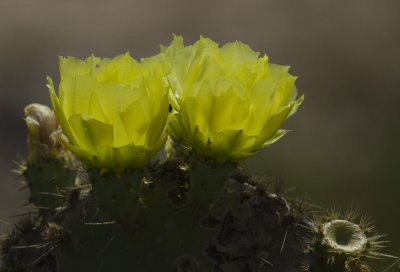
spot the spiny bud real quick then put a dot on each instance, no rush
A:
(43, 132)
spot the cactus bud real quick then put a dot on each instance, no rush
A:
(43, 132)
(49, 170)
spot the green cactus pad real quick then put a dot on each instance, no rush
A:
(48, 182)
(207, 180)
(118, 196)
(248, 229)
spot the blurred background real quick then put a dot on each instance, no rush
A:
(345, 142)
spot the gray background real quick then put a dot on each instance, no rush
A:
(344, 148)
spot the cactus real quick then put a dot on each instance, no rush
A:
(341, 242)
(125, 203)
(247, 228)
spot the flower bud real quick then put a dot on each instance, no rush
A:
(43, 132)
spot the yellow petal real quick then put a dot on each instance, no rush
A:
(93, 136)
(276, 121)
(70, 66)
(122, 69)
(131, 156)
(58, 111)
(235, 55)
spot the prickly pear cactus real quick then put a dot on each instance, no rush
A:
(138, 169)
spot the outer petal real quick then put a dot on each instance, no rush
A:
(174, 128)
(84, 155)
(93, 136)
(284, 92)
(279, 134)
(230, 108)
(275, 122)
(75, 94)
(122, 69)
(70, 66)
(261, 99)
(136, 121)
(298, 102)
(157, 124)
(58, 111)
(131, 156)
(226, 143)
(236, 54)
(170, 53)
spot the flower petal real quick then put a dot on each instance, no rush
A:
(58, 111)
(94, 136)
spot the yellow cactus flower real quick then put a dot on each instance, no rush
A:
(113, 111)
(229, 102)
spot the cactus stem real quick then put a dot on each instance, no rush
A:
(207, 180)
(118, 195)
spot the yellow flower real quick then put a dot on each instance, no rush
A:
(228, 101)
(113, 111)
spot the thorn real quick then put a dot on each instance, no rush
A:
(106, 246)
(378, 255)
(41, 256)
(38, 207)
(4, 222)
(37, 246)
(266, 261)
(51, 194)
(392, 265)
(100, 223)
(284, 240)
